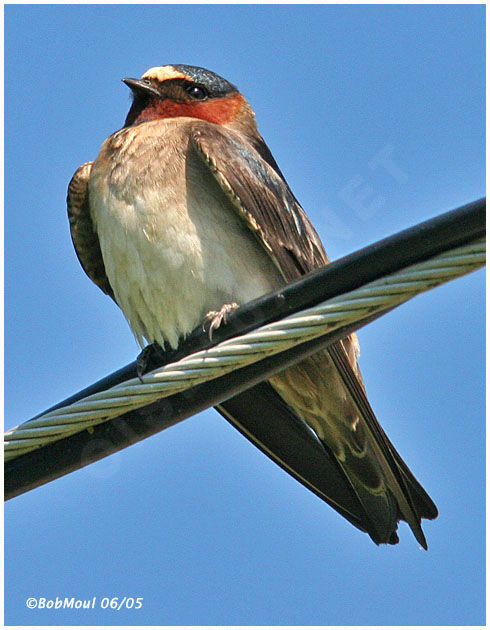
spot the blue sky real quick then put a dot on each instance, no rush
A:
(195, 520)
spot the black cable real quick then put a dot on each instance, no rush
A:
(410, 246)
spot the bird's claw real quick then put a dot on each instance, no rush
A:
(215, 318)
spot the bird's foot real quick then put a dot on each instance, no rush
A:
(214, 319)
(151, 356)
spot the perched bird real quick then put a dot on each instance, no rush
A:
(185, 214)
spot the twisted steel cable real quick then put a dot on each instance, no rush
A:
(227, 356)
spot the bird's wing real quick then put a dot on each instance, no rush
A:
(385, 489)
(273, 426)
(263, 200)
(83, 235)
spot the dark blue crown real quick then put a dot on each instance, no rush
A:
(215, 84)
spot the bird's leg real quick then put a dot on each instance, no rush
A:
(151, 356)
(215, 318)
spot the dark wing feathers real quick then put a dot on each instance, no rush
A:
(285, 438)
(263, 199)
(83, 235)
(417, 498)
(287, 234)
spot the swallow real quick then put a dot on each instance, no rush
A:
(184, 215)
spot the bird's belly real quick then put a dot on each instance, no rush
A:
(173, 256)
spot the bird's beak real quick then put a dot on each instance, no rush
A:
(141, 86)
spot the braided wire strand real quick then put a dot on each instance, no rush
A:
(235, 353)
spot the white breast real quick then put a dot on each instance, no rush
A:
(173, 246)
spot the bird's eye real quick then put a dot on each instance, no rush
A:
(196, 92)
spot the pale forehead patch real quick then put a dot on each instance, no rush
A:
(164, 73)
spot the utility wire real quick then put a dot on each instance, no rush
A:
(308, 314)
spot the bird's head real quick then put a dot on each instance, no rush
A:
(190, 91)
